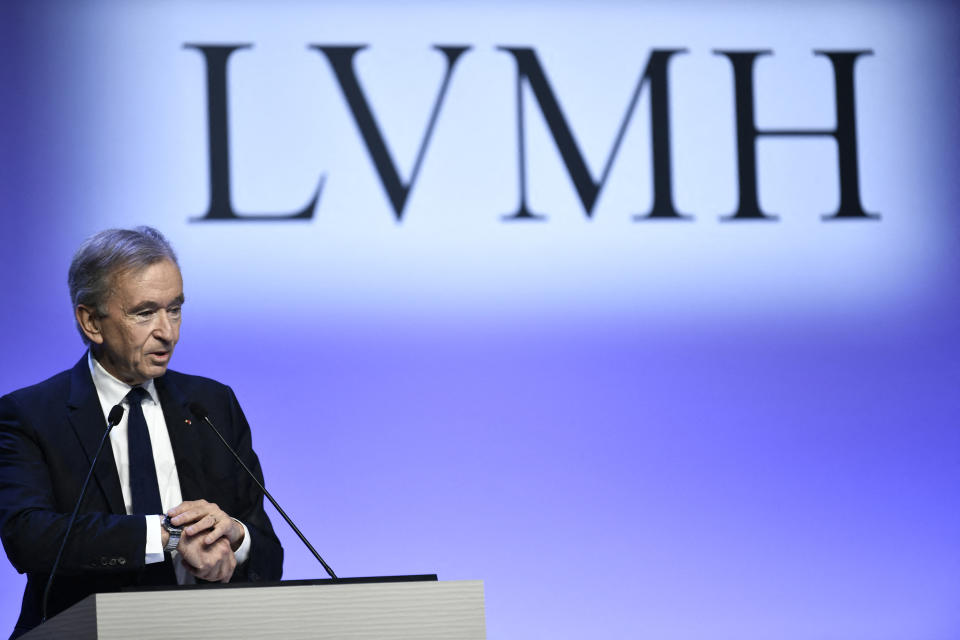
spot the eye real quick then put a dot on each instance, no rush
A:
(146, 314)
(174, 311)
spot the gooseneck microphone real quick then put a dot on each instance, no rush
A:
(201, 413)
(112, 420)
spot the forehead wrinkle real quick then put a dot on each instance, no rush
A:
(133, 278)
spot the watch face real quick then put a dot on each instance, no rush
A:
(175, 533)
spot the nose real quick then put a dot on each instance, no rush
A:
(163, 329)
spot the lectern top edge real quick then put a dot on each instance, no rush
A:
(425, 577)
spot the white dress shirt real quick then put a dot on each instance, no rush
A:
(111, 392)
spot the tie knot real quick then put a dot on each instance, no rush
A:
(136, 395)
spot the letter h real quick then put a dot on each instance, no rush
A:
(845, 135)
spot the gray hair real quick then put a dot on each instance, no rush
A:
(104, 256)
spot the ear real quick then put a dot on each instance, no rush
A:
(89, 322)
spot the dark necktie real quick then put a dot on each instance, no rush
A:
(144, 489)
(143, 484)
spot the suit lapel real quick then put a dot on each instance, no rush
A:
(183, 438)
(86, 417)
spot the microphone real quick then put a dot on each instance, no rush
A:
(201, 413)
(112, 420)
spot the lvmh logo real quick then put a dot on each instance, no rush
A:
(654, 79)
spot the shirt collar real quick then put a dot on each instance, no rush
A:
(111, 390)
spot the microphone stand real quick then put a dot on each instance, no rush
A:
(201, 413)
(112, 420)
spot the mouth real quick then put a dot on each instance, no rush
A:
(160, 356)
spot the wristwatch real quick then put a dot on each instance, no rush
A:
(175, 533)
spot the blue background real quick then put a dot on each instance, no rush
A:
(663, 430)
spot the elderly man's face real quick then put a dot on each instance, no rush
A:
(135, 340)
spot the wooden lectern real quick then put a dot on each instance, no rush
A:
(409, 608)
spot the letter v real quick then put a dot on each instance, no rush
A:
(341, 60)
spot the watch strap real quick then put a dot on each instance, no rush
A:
(175, 533)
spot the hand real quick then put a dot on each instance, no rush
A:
(197, 516)
(212, 562)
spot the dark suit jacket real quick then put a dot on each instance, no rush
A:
(48, 435)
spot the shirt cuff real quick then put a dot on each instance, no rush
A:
(153, 551)
(243, 552)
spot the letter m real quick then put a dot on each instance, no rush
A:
(588, 189)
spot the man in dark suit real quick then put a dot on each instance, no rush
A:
(162, 476)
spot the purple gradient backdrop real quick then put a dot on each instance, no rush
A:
(701, 450)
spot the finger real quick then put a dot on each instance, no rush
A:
(221, 529)
(198, 512)
(192, 508)
(203, 573)
(223, 562)
(187, 517)
(230, 565)
(208, 521)
(210, 571)
(186, 505)
(228, 573)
